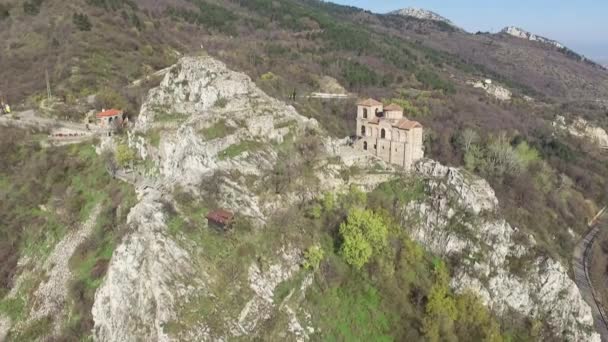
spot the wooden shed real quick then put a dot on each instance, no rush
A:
(220, 219)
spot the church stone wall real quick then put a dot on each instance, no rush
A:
(399, 146)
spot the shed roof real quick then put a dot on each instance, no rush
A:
(369, 103)
(109, 112)
(220, 216)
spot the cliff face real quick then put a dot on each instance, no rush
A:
(208, 126)
(459, 220)
(206, 119)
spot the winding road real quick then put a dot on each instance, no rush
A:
(580, 265)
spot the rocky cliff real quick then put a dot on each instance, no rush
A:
(423, 14)
(459, 220)
(208, 137)
(207, 126)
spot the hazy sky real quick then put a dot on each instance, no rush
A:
(581, 25)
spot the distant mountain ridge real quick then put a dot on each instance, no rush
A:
(523, 34)
(419, 13)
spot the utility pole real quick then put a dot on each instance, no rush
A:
(48, 84)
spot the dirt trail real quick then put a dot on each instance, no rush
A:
(50, 297)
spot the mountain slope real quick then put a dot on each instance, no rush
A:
(537, 69)
(519, 33)
(171, 277)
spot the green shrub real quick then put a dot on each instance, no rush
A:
(526, 154)
(352, 313)
(432, 81)
(4, 11)
(82, 22)
(124, 155)
(112, 4)
(358, 75)
(236, 149)
(218, 130)
(269, 76)
(313, 257)
(363, 233)
(208, 15)
(32, 7)
(109, 98)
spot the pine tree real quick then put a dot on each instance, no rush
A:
(82, 22)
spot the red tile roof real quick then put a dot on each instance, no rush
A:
(109, 112)
(393, 107)
(369, 103)
(220, 216)
(407, 124)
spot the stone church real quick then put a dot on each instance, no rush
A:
(386, 133)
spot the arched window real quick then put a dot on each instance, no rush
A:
(365, 113)
(365, 145)
(383, 134)
(363, 130)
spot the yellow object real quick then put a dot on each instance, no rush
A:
(7, 109)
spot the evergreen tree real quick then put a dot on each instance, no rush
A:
(82, 22)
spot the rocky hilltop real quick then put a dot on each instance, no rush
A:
(160, 274)
(523, 34)
(208, 137)
(204, 124)
(423, 14)
(520, 33)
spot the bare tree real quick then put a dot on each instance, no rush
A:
(502, 158)
(110, 162)
(468, 137)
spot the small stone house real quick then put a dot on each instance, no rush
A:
(110, 119)
(385, 132)
(220, 219)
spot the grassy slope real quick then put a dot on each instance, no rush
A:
(386, 300)
(45, 193)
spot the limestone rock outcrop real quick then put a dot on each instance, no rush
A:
(584, 129)
(458, 219)
(523, 34)
(203, 119)
(148, 275)
(495, 90)
(423, 14)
